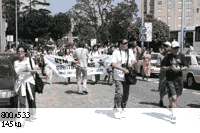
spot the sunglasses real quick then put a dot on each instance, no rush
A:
(20, 51)
(125, 43)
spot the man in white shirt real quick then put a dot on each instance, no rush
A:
(119, 61)
(81, 55)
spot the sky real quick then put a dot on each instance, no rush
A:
(64, 5)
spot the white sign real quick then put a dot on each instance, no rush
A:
(10, 38)
(93, 42)
(36, 39)
(63, 68)
(148, 26)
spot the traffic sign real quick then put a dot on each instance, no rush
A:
(143, 30)
(142, 37)
(148, 26)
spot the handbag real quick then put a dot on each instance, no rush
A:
(39, 84)
(130, 78)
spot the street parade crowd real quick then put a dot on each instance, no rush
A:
(124, 58)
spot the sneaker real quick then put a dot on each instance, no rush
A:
(85, 91)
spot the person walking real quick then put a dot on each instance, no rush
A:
(174, 63)
(146, 65)
(136, 49)
(81, 55)
(95, 52)
(119, 61)
(162, 76)
(25, 86)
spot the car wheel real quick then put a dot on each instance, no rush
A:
(190, 81)
(142, 72)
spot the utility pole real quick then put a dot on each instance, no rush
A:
(2, 47)
(16, 25)
(182, 25)
(142, 15)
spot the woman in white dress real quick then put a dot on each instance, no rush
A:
(25, 86)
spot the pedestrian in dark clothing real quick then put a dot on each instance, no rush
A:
(174, 63)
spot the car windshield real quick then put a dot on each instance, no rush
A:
(154, 56)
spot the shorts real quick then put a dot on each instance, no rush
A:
(174, 88)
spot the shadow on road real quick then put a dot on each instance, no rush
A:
(194, 105)
(159, 116)
(150, 103)
(71, 92)
(109, 113)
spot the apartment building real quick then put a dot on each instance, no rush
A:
(161, 9)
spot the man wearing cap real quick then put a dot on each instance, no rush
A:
(162, 76)
(174, 63)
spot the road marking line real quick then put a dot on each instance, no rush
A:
(196, 93)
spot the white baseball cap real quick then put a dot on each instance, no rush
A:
(175, 44)
(168, 43)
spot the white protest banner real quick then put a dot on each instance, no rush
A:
(62, 66)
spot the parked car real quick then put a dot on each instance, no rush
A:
(192, 75)
(154, 68)
(8, 98)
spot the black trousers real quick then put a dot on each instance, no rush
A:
(121, 94)
(22, 99)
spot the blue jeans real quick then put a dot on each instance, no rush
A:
(121, 94)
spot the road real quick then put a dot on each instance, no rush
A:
(142, 95)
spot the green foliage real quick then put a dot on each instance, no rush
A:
(160, 31)
(60, 26)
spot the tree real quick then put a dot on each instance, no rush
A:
(60, 26)
(160, 30)
(84, 13)
(30, 8)
(121, 18)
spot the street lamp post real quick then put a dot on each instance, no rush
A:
(16, 25)
(182, 25)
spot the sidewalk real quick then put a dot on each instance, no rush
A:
(102, 120)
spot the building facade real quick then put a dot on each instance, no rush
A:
(170, 12)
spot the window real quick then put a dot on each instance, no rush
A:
(169, 1)
(188, 17)
(188, 10)
(197, 34)
(159, 10)
(169, 25)
(188, 2)
(179, 2)
(179, 17)
(197, 10)
(180, 9)
(169, 10)
(169, 17)
(159, 2)
(159, 17)
(179, 25)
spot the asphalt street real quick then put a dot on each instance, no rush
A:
(142, 95)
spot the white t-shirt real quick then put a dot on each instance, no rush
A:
(95, 53)
(24, 76)
(81, 57)
(121, 58)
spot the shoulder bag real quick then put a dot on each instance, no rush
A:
(130, 78)
(39, 84)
